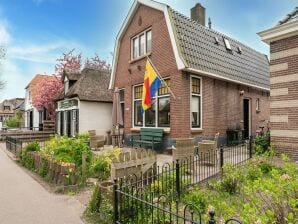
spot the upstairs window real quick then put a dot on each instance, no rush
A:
(6, 107)
(66, 85)
(141, 44)
(227, 43)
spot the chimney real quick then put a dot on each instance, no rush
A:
(198, 14)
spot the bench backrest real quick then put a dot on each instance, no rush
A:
(147, 133)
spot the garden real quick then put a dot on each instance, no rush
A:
(67, 161)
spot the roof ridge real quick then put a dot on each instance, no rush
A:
(288, 16)
(215, 31)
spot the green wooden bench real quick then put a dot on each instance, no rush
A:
(148, 137)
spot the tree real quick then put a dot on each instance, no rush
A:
(97, 63)
(48, 90)
(69, 62)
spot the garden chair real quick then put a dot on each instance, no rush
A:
(208, 150)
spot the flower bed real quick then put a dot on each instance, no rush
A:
(60, 161)
(258, 192)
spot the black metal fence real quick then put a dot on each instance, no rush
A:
(15, 144)
(153, 197)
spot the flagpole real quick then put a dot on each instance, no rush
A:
(159, 76)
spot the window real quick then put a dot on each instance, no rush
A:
(141, 44)
(148, 41)
(196, 102)
(6, 107)
(258, 104)
(159, 113)
(121, 93)
(138, 115)
(227, 43)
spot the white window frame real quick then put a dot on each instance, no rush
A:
(201, 102)
(156, 97)
(258, 104)
(138, 41)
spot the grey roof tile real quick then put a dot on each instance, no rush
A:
(199, 50)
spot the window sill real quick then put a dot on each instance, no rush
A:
(196, 130)
(137, 129)
(139, 58)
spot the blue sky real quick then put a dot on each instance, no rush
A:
(37, 32)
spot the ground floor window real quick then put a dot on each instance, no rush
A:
(67, 122)
(159, 113)
(196, 104)
(121, 93)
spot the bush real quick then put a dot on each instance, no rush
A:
(96, 200)
(101, 164)
(262, 143)
(99, 209)
(26, 160)
(231, 179)
(67, 150)
(197, 198)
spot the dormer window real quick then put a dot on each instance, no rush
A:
(141, 44)
(66, 85)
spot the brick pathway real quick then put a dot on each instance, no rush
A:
(25, 201)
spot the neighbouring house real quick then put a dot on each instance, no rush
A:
(85, 104)
(283, 41)
(35, 117)
(8, 108)
(219, 83)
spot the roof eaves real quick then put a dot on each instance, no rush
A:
(212, 75)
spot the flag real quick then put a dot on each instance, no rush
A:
(150, 86)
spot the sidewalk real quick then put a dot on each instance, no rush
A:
(25, 201)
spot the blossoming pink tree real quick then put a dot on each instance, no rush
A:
(48, 90)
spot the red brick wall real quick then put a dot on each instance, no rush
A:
(222, 103)
(283, 53)
(223, 106)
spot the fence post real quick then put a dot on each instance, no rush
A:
(178, 178)
(221, 156)
(115, 202)
(84, 175)
(250, 147)
(212, 219)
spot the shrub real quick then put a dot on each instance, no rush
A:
(231, 179)
(198, 198)
(26, 160)
(101, 164)
(67, 150)
(95, 202)
(262, 143)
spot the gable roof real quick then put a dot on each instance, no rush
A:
(195, 50)
(290, 17)
(92, 85)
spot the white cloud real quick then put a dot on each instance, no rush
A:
(4, 34)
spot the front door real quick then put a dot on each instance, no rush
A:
(246, 118)
(31, 120)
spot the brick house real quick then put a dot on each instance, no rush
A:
(219, 83)
(283, 41)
